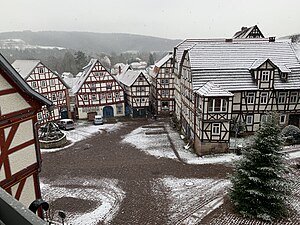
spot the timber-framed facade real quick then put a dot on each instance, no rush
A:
(20, 158)
(97, 92)
(216, 92)
(162, 86)
(49, 84)
(137, 91)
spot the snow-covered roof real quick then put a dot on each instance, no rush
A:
(164, 59)
(210, 89)
(85, 73)
(25, 67)
(20, 82)
(129, 77)
(257, 63)
(227, 63)
(245, 31)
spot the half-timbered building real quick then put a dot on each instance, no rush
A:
(249, 32)
(98, 92)
(20, 158)
(137, 92)
(237, 80)
(162, 86)
(49, 84)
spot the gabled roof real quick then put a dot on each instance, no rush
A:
(227, 64)
(129, 77)
(210, 89)
(257, 63)
(19, 81)
(85, 73)
(25, 67)
(164, 59)
(245, 31)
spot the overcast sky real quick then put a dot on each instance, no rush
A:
(162, 18)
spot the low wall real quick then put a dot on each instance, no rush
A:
(53, 143)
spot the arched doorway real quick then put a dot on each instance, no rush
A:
(108, 111)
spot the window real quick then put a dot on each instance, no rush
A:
(117, 95)
(41, 70)
(60, 95)
(102, 96)
(39, 116)
(52, 82)
(167, 70)
(164, 81)
(94, 97)
(143, 99)
(119, 109)
(165, 92)
(250, 97)
(109, 96)
(53, 97)
(33, 85)
(294, 97)
(137, 100)
(217, 105)
(216, 129)
(165, 105)
(249, 119)
(85, 98)
(282, 119)
(265, 75)
(281, 97)
(93, 87)
(284, 76)
(141, 79)
(43, 83)
(108, 85)
(263, 98)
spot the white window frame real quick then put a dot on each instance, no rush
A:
(264, 97)
(109, 95)
(60, 95)
(265, 76)
(249, 119)
(41, 70)
(250, 98)
(43, 83)
(54, 97)
(282, 119)
(216, 129)
(117, 94)
(281, 97)
(294, 97)
(34, 84)
(103, 96)
(222, 106)
(52, 82)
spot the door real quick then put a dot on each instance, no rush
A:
(108, 111)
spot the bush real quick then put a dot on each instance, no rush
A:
(291, 134)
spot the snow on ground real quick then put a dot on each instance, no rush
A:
(193, 199)
(85, 130)
(104, 197)
(159, 145)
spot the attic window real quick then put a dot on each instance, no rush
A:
(265, 75)
(284, 76)
(41, 70)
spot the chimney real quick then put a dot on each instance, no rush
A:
(271, 39)
(244, 28)
(120, 70)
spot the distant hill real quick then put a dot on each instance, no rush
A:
(88, 42)
(293, 37)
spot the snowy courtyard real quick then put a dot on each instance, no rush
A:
(135, 172)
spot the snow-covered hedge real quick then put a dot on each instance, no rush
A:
(291, 134)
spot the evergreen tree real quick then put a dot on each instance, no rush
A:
(81, 60)
(259, 187)
(151, 59)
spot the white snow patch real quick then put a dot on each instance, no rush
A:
(85, 130)
(159, 146)
(105, 192)
(191, 203)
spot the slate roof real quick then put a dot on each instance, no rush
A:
(245, 31)
(165, 59)
(20, 82)
(210, 89)
(25, 67)
(227, 64)
(129, 77)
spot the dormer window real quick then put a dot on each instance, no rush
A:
(284, 76)
(265, 76)
(217, 105)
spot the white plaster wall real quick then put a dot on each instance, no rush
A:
(4, 84)
(2, 174)
(28, 193)
(18, 101)
(23, 158)
(24, 133)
